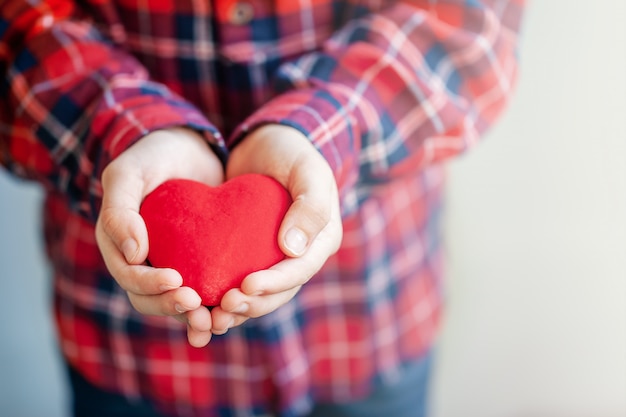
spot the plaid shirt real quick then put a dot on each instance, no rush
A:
(386, 91)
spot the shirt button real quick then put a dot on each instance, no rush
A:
(241, 13)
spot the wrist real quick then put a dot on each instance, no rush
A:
(263, 148)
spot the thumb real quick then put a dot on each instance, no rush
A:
(119, 220)
(124, 227)
(310, 211)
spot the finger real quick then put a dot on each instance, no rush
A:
(197, 338)
(119, 218)
(170, 303)
(240, 304)
(293, 272)
(199, 327)
(264, 291)
(224, 320)
(283, 276)
(312, 188)
(138, 279)
(145, 280)
(198, 323)
(199, 319)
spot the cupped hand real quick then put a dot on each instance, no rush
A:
(309, 234)
(121, 232)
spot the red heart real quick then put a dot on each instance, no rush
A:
(215, 236)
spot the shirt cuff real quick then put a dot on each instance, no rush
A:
(138, 117)
(320, 116)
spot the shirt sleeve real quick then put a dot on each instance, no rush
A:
(400, 88)
(70, 101)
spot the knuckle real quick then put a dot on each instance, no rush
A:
(264, 305)
(109, 221)
(316, 214)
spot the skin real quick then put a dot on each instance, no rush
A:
(309, 234)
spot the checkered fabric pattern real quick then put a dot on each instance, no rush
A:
(385, 90)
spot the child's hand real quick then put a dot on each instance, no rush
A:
(121, 232)
(310, 232)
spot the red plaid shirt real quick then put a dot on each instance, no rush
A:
(386, 90)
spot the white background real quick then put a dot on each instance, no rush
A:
(536, 241)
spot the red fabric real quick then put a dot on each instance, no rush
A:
(215, 236)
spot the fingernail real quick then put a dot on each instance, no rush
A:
(180, 308)
(129, 249)
(242, 308)
(295, 241)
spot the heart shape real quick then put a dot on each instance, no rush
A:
(215, 236)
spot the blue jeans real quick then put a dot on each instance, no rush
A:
(407, 398)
